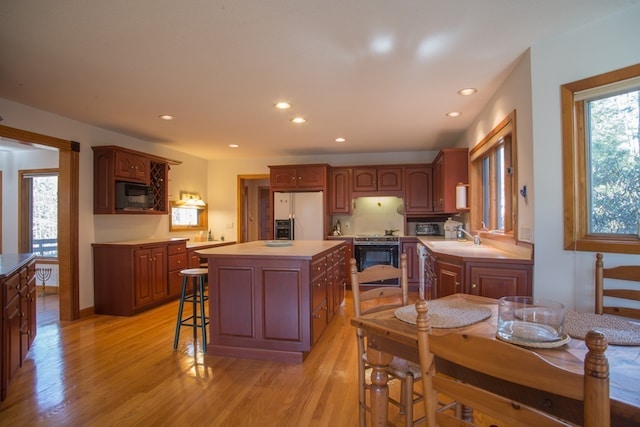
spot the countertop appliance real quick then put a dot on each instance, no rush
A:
(428, 229)
(303, 211)
(369, 250)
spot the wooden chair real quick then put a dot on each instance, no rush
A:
(632, 293)
(488, 362)
(373, 299)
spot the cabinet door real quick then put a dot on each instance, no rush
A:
(159, 272)
(311, 177)
(340, 191)
(283, 177)
(497, 282)
(450, 167)
(365, 179)
(143, 281)
(418, 190)
(449, 278)
(389, 179)
(408, 246)
(11, 337)
(130, 167)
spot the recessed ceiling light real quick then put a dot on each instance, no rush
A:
(468, 91)
(282, 105)
(298, 120)
(166, 117)
(234, 145)
(340, 139)
(454, 114)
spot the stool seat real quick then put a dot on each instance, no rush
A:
(194, 272)
(198, 319)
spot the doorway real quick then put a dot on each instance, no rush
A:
(68, 207)
(253, 222)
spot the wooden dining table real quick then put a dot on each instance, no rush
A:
(388, 336)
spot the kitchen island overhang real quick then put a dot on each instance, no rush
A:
(273, 302)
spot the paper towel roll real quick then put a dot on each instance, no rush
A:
(461, 196)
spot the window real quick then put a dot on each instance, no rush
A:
(493, 180)
(189, 213)
(39, 219)
(601, 162)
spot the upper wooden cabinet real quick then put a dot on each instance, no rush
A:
(299, 177)
(418, 190)
(450, 167)
(386, 180)
(113, 164)
(131, 167)
(340, 191)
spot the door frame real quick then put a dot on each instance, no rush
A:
(242, 204)
(68, 208)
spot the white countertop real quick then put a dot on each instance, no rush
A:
(467, 249)
(297, 249)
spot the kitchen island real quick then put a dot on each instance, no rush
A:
(273, 302)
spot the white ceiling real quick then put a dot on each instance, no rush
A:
(380, 73)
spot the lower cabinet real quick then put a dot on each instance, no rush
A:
(273, 308)
(446, 275)
(492, 281)
(449, 277)
(132, 277)
(408, 247)
(18, 326)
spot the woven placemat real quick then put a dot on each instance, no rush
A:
(446, 313)
(618, 331)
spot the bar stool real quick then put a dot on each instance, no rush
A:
(197, 298)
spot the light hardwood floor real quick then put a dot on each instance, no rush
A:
(108, 370)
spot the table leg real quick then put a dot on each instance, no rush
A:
(379, 390)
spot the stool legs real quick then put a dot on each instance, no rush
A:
(198, 318)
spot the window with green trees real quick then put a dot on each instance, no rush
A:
(601, 162)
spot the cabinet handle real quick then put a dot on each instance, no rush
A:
(473, 286)
(457, 283)
(316, 316)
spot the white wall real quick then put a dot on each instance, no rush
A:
(514, 94)
(596, 48)
(189, 176)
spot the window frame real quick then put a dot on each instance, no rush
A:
(503, 135)
(574, 169)
(202, 214)
(25, 209)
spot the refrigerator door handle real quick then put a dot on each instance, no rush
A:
(293, 227)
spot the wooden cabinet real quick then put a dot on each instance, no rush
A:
(299, 177)
(490, 280)
(450, 167)
(449, 277)
(18, 324)
(340, 191)
(113, 164)
(270, 307)
(131, 167)
(386, 180)
(418, 194)
(177, 261)
(408, 246)
(130, 277)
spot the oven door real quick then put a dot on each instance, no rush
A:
(370, 255)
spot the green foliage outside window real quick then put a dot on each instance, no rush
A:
(614, 136)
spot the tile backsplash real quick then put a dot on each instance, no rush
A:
(373, 215)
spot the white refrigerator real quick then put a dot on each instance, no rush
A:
(306, 210)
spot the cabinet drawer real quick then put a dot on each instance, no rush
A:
(178, 249)
(318, 267)
(319, 322)
(178, 262)
(318, 291)
(12, 286)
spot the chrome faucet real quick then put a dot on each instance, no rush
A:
(462, 232)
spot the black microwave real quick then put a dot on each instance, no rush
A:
(131, 196)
